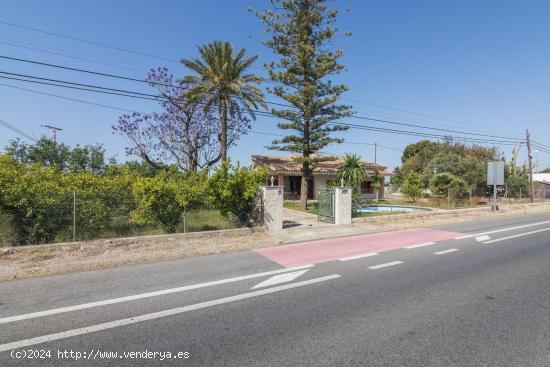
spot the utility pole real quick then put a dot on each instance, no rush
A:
(530, 157)
(375, 151)
(54, 132)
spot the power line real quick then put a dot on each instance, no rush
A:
(64, 54)
(176, 61)
(269, 102)
(543, 145)
(94, 43)
(410, 112)
(16, 130)
(68, 98)
(268, 114)
(345, 141)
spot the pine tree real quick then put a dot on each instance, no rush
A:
(301, 36)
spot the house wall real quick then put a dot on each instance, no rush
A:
(320, 182)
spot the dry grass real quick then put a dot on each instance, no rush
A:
(31, 261)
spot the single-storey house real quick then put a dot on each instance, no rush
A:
(286, 172)
(541, 182)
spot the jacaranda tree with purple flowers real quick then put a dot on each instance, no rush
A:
(184, 133)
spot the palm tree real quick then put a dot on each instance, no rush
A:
(222, 82)
(352, 173)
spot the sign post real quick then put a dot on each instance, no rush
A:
(495, 177)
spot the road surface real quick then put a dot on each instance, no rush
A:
(470, 294)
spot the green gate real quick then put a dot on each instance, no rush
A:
(325, 208)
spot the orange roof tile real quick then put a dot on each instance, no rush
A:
(288, 165)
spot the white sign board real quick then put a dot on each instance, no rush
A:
(495, 173)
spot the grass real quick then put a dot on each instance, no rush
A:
(196, 220)
(312, 207)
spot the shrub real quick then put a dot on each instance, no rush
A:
(234, 190)
(164, 197)
(444, 184)
(413, 185)
(33, 196)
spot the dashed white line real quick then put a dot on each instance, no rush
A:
(482, 238)
(385, 265)
(359, 256)
(144, 295)
(445, 251)
(517, 235)
(420, 245)
(157, 315)
(503, 230)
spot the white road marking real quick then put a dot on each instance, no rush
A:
(359, 256)
(503, 230)
(482, 238)
(420, 245)
(281, 278)
(445, 251)
(385, 265)
(517, 235)
(111, 301)
(157, 315)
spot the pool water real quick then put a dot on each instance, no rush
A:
(390, 208)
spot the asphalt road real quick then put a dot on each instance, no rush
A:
(482, 300)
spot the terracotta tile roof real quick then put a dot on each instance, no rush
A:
(288, 165)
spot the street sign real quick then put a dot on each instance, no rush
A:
(495, 173)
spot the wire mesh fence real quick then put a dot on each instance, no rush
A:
(66, 215)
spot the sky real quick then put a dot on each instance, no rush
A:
(475, 66)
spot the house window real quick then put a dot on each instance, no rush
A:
(367, 187)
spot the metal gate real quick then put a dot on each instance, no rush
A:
(325, 203)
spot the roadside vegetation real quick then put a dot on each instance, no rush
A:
(450, 174)
(42, 203)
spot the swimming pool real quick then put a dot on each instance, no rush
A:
(390, 208)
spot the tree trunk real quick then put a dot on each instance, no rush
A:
(304, 185)
(223, 132)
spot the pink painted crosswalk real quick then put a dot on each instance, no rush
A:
(333, 249)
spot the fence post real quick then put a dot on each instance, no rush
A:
(74, 215)
(184, 219)
(272, 207)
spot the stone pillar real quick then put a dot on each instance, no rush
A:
(272, 207)
(342, 205)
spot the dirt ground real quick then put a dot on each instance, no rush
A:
(40, 260)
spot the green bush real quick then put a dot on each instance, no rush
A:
(234, 190)
(36, 202)
(517, 186)
(35, 199)
(444, 184)
(164, 197)
(413, 185)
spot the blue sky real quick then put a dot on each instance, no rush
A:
(480, 66)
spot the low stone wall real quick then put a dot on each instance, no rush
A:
(58, 258)
(450, 213)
